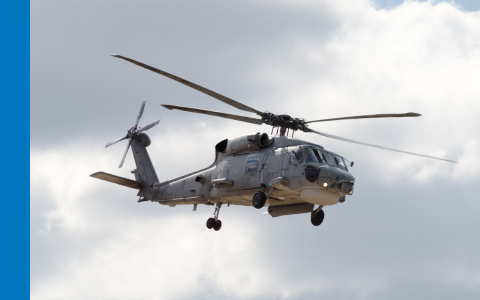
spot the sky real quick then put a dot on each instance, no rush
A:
(468, 5)
(410, 230)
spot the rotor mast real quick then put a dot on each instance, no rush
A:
(284, 123)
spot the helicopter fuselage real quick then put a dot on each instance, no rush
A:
(288, 170)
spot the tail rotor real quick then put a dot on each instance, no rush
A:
(132, 133)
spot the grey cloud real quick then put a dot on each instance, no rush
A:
(75, 83)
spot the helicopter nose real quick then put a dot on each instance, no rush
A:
(347, 188)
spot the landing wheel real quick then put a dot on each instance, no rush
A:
(217, 225)
(210, 223)
(318, 218)
(259, 200)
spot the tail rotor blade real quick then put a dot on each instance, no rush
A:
(115, 141)
(140, 114)
(149, 126)
(125, 154)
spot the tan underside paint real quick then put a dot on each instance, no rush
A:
(319, 196)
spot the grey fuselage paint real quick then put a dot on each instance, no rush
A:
(250, 171)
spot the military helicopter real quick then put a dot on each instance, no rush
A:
(288, 175)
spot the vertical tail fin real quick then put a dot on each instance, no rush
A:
(145, 170)
(138, 140)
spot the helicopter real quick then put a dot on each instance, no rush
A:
(288, 175)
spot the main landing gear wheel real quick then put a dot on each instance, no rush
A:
(214, 222)
(317, 219)
(259, 200)
(217, 225)
(211, 223)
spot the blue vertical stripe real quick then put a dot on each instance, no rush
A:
(15, 110)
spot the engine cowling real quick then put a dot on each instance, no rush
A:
(254, 141)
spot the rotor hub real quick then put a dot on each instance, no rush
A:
(131, 132)
(285, 121)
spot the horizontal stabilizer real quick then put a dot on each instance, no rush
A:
(118, 180)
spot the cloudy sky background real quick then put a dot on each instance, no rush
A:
(409, 231)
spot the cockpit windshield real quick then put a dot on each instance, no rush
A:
(340, 162)
(329, 158)
(314, 155)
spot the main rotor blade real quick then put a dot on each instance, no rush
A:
(115, 141)
(125, 154)
(214, 113)
(375, 146)
(140, 114)
(410, 114)
(145, 128)
(193, 86)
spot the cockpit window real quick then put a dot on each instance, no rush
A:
(340, 162)
(320, 156)
(315, 155)
(311, 156)
(329, 158)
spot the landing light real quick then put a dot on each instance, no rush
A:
(351, 192)
(325, 184)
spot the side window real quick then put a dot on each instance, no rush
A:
(340, 162)
(319, 156)
(297, 155)
(324, 159)
(252, 165)
(329, 158)
(310, 154)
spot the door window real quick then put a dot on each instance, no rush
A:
(312, 173)
(296, 157)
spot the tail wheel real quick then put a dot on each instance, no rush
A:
(217, 225)
(259, 200)
(210, 223)
(318, 218)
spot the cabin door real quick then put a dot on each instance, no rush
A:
(231, 168)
